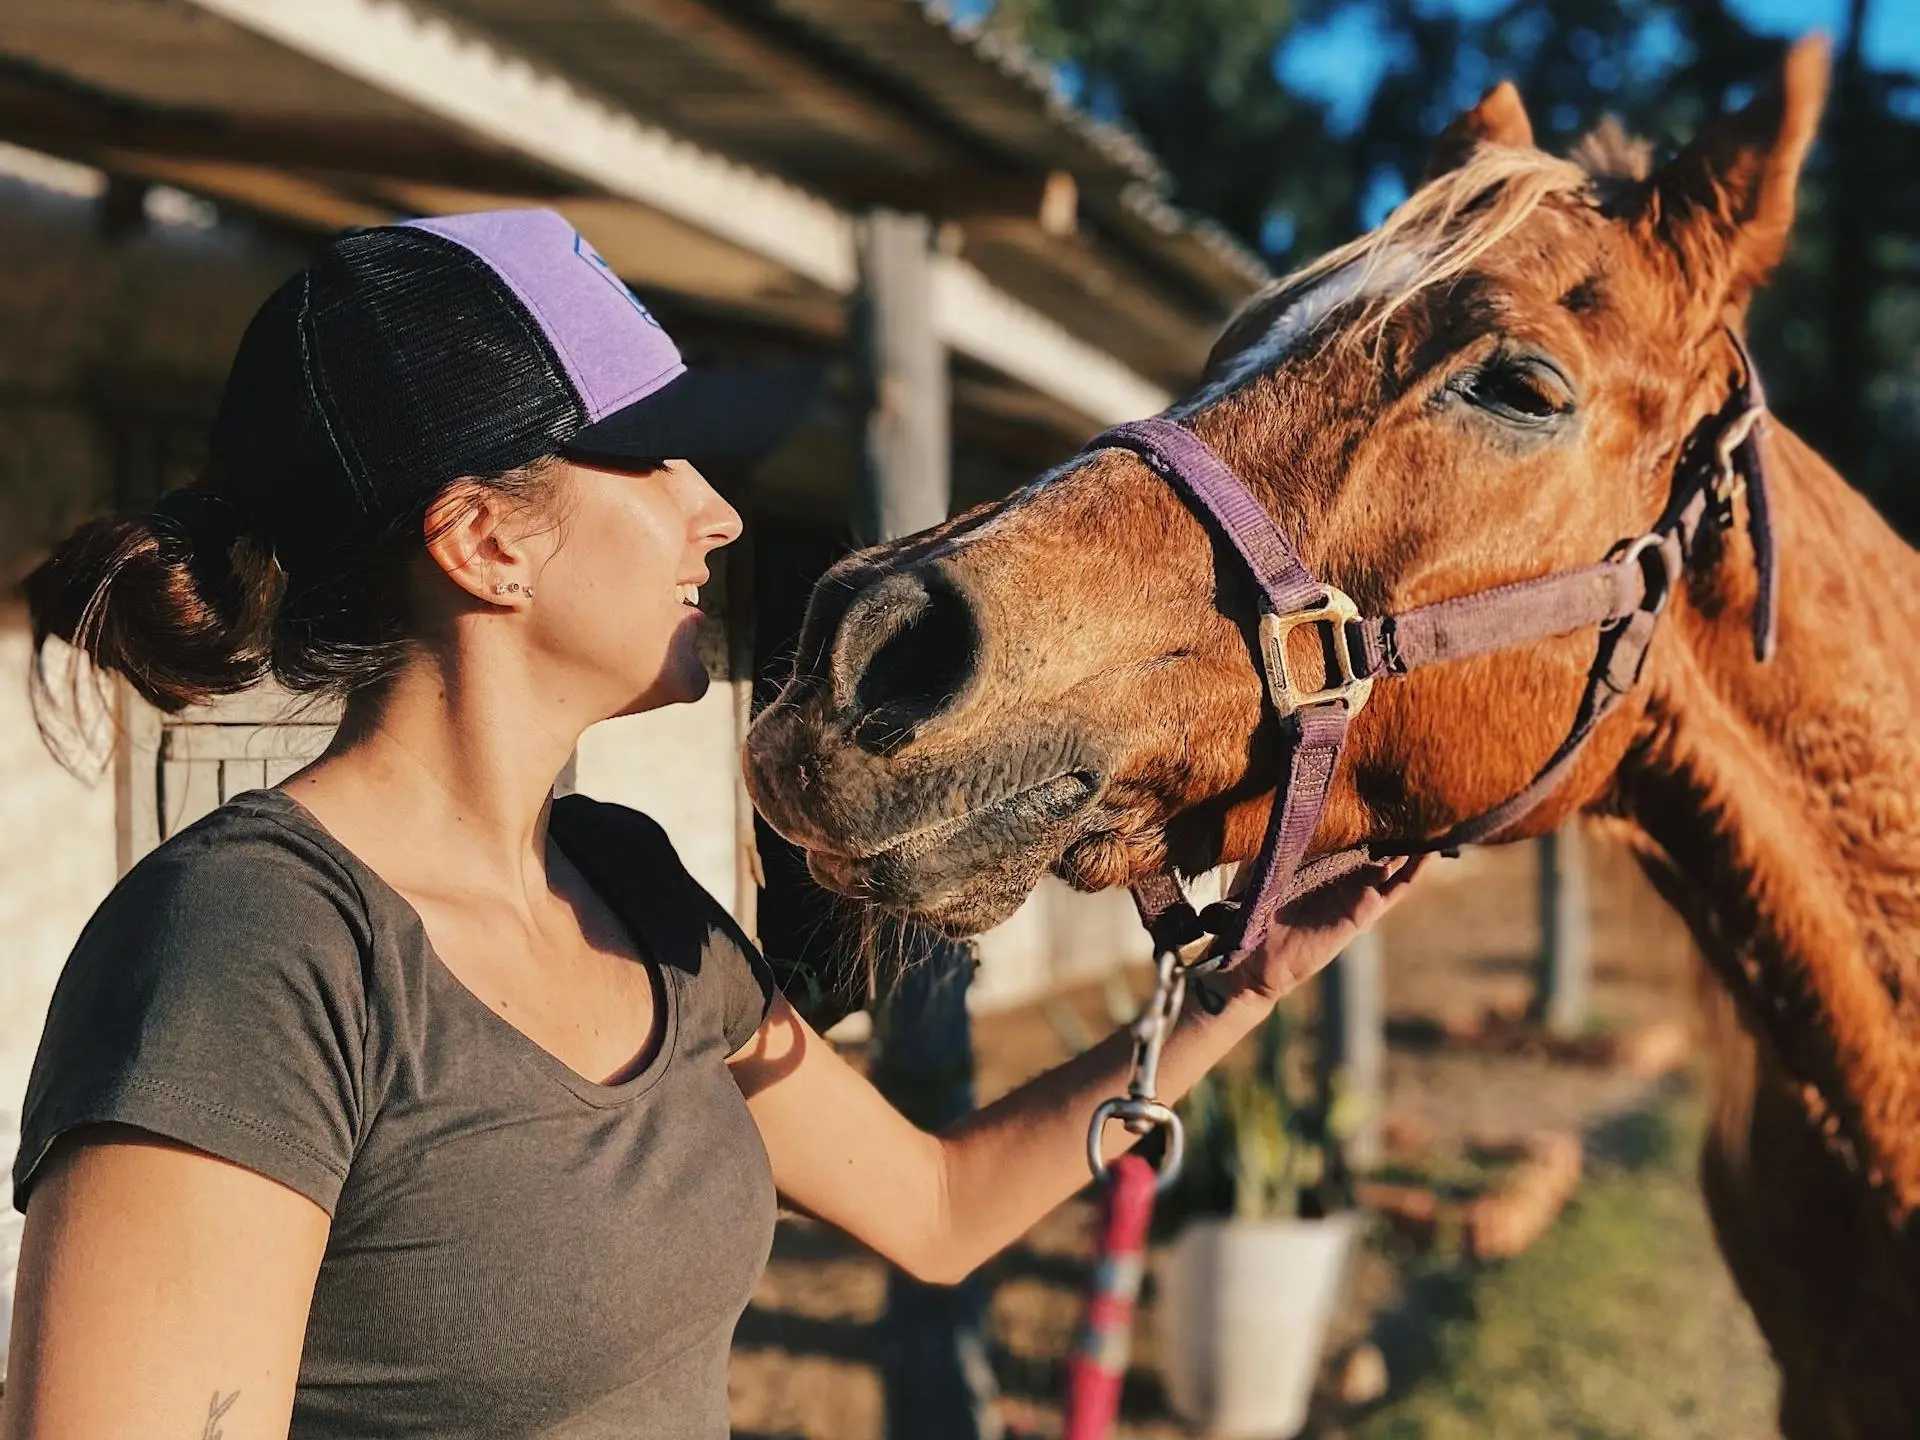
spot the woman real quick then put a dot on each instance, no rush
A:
(403, 1099)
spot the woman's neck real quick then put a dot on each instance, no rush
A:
(442, 779)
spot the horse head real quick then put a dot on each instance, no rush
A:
(1496, 384)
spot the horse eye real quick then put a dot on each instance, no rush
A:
(1526, 392)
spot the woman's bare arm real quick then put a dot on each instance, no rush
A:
(162, 1295)
(939, 1205)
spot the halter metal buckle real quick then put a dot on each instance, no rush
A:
(1333, 614)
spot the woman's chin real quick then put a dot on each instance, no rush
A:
(693, 686)
(683, 681)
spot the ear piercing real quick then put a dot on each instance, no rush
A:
(512, 587)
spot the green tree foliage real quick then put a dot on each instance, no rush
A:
(1839, 330)
(1196, 79)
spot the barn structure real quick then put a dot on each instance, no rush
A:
(894, 209)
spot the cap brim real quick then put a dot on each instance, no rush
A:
(705, 415)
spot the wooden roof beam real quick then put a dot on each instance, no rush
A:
(280, 194)
(47, 114)
(751, 52)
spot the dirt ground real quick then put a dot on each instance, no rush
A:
(803, 1364)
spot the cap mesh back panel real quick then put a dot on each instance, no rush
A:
(425, 367)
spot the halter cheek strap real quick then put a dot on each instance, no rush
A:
(1624, 595)
(1289, 592)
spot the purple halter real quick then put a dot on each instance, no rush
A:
(1623, 594)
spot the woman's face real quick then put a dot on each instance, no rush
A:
(616, 597)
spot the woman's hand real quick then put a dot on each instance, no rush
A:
(1317, 927)
(939, 1205)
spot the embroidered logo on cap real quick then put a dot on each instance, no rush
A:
(592, 256)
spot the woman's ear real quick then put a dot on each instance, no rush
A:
(467, 539)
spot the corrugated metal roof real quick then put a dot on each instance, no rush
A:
(1041, 96)
(860, 101)
(891, 102)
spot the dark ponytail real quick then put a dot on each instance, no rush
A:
(172, 600)
(189, 605)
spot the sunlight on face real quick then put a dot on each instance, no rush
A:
(617, 592)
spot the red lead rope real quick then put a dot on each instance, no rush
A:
(1100, 1361)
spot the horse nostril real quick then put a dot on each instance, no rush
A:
(906, 649)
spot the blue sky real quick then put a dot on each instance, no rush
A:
(1341, 62)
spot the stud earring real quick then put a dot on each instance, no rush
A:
(507, 587)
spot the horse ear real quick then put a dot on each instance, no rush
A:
(1499, 119)
(1726, 202)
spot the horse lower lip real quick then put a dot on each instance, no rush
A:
(1047, 801)
(890, 873)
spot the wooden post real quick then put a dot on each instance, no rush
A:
(1566, 938)
(136, 777)
(749, 876)
(933, 1347)
(907, 479)
(1353, 1044)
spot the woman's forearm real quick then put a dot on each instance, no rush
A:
(940, 1205)
(1010, 1163)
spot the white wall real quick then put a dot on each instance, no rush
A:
(1059, 937)
(56, 865)
(677, 765)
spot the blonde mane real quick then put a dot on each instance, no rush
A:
(1442, 229)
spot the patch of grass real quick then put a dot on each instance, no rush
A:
(1621, 1324)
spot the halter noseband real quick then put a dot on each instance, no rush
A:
(1624, 595)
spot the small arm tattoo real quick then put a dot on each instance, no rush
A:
(217, 1409)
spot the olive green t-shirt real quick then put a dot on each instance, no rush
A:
(515, 1250)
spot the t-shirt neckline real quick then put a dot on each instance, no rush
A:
(666, 991)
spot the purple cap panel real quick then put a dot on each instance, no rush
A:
(613, 349)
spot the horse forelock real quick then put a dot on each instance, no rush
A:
(1435, 237)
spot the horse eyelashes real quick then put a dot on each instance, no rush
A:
(1521, 393)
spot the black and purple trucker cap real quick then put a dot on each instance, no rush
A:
(408, 355)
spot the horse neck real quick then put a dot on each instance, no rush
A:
(1786, 799)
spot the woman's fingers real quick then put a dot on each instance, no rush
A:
(1316, 927)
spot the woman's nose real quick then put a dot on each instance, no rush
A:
(715, 521)
(723, 524)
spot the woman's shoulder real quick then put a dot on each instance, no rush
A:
(219, 997)
(249, 897)
(630, 857)
(256, 860)
(604, 823)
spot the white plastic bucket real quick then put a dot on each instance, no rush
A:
(1242, 1314)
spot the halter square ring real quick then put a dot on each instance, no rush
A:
(1331, 617)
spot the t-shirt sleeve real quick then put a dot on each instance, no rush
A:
(750, 985)
(217, 998)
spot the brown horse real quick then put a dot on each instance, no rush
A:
(1494, 385)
